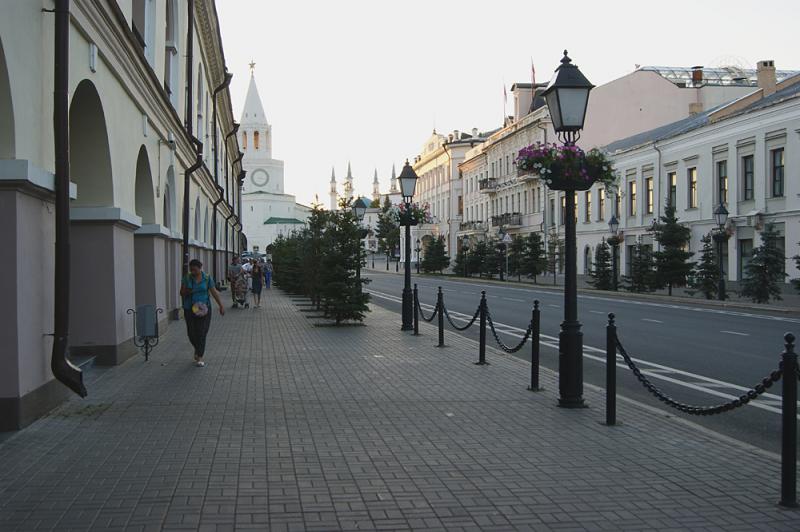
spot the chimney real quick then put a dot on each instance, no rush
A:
(765, 73)
(697, 75)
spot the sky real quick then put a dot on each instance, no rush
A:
(367, 81)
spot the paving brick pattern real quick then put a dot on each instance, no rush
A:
(297, 427)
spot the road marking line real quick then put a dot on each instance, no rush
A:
(556, 306)
(736, 333)
(652, 320)
(513, 299)
(597, 312)
(654, 370)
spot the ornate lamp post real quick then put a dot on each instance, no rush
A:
(359, 209)
(466, 258)
(418, 259)
(408, 182)
(567, 97)
(721, 217)
(613, 226)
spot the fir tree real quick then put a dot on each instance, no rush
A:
(796, 282)
(460, 263)
(602, 276)
(672, 261)
(642, 274)
(388, 230)
(534, 260)
(477, 257)
(375, 203)
(765, 271)
(492, 260)
(516, 257)
(706, 270)
(435, 260)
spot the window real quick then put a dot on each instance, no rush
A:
(722, 181)
(691, 181)
(552, 212)
(648, 185)
(171, 53)
(777, 172)
(672, 179)
(563, 209)
(587, 207)
(601, 204)
(256, 139)
(748, 169)
(575, 206)
(745, 254)
(617, 204)
(632, 198)
(460, 205)
(244, 140)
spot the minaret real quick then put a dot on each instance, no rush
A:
(393, 186)
(376, 187)
(348, 184)
(334, 196)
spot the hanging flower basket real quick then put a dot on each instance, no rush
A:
(566, 167)
(419, 214)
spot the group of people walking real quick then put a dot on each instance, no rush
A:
(198, 288)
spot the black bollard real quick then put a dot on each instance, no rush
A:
(416, 310)
(535, 347)
(611, 371)
(440, 307)
(789, 429)
(482, 350)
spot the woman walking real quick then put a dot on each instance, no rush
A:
(197, 288)
(257, 275)
(268, 273)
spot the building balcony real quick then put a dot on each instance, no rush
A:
(472, 228)
(487, 186)
(509, 219)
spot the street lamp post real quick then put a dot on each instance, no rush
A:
(408, 182)
(721, 216)
(359, 209)
(466, 259)
(567, 96)
(613, 226)
(418, 260)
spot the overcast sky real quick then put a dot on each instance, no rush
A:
(367, 80)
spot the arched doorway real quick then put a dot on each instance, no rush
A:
(89, 154)
(145, 203)
(149, 244)
(7, 144)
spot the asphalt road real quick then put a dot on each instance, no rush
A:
(696, 354)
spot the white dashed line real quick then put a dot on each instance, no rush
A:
(652, 321)
(736, 333)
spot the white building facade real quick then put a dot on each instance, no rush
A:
(267, 211)
(144, 87)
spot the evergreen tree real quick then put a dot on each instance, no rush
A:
(796, 282)
(516, 257)
(387, 230)
(602, 276)
(672, 261)
(534, 258)
(342, 293)
(435, 260)
(460, 262)
(765, 271)
(706, 270)
(376, 203)
(312, 254)
(493, 259)
(477, 257)
(642, 274)
(555, 255)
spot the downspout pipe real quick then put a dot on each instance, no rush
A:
(242, 174)
(187, 120)
(227, 137)
(63, 370)
(187, 183)
(224, 85)
(227, 249)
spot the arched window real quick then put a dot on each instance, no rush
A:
(197, 219)
(200, 100)
(205, 226)
(166, 215)
(255, 139)
(244, 140)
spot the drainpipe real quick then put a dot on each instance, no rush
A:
(224, 85)
(62, 368)
(227, 251)
(240, 180)
(228, 136)
(187, 119)
(187, 182)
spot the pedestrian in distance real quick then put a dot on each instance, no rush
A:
(257, 274)
(197, 289)
(234, 272)
(268, 274)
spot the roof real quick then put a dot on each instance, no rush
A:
(253, 112)
(728, 75)
(699, 120)
(283, 221)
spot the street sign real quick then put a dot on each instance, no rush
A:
(507, 239)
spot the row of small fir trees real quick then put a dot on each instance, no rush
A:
(527, 257)
(670, 266)
(320, 262)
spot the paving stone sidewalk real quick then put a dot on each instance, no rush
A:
(297, 427)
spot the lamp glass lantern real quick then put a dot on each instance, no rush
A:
(359, 209)
(408, 182)
(567, 97)
(720, 215)
(613, 225)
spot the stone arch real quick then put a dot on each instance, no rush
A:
(144, 201)
(7, 142)
(169, 207)
(205, 226)
(89, 153)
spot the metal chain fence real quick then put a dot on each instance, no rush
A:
(422, 314)
(465, 327)
(745, 398)
(503, 346)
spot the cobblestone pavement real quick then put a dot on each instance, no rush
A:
(297, 427)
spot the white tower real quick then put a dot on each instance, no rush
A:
(393, 184)
(348, 184)
(334, 196)
(376, 187)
